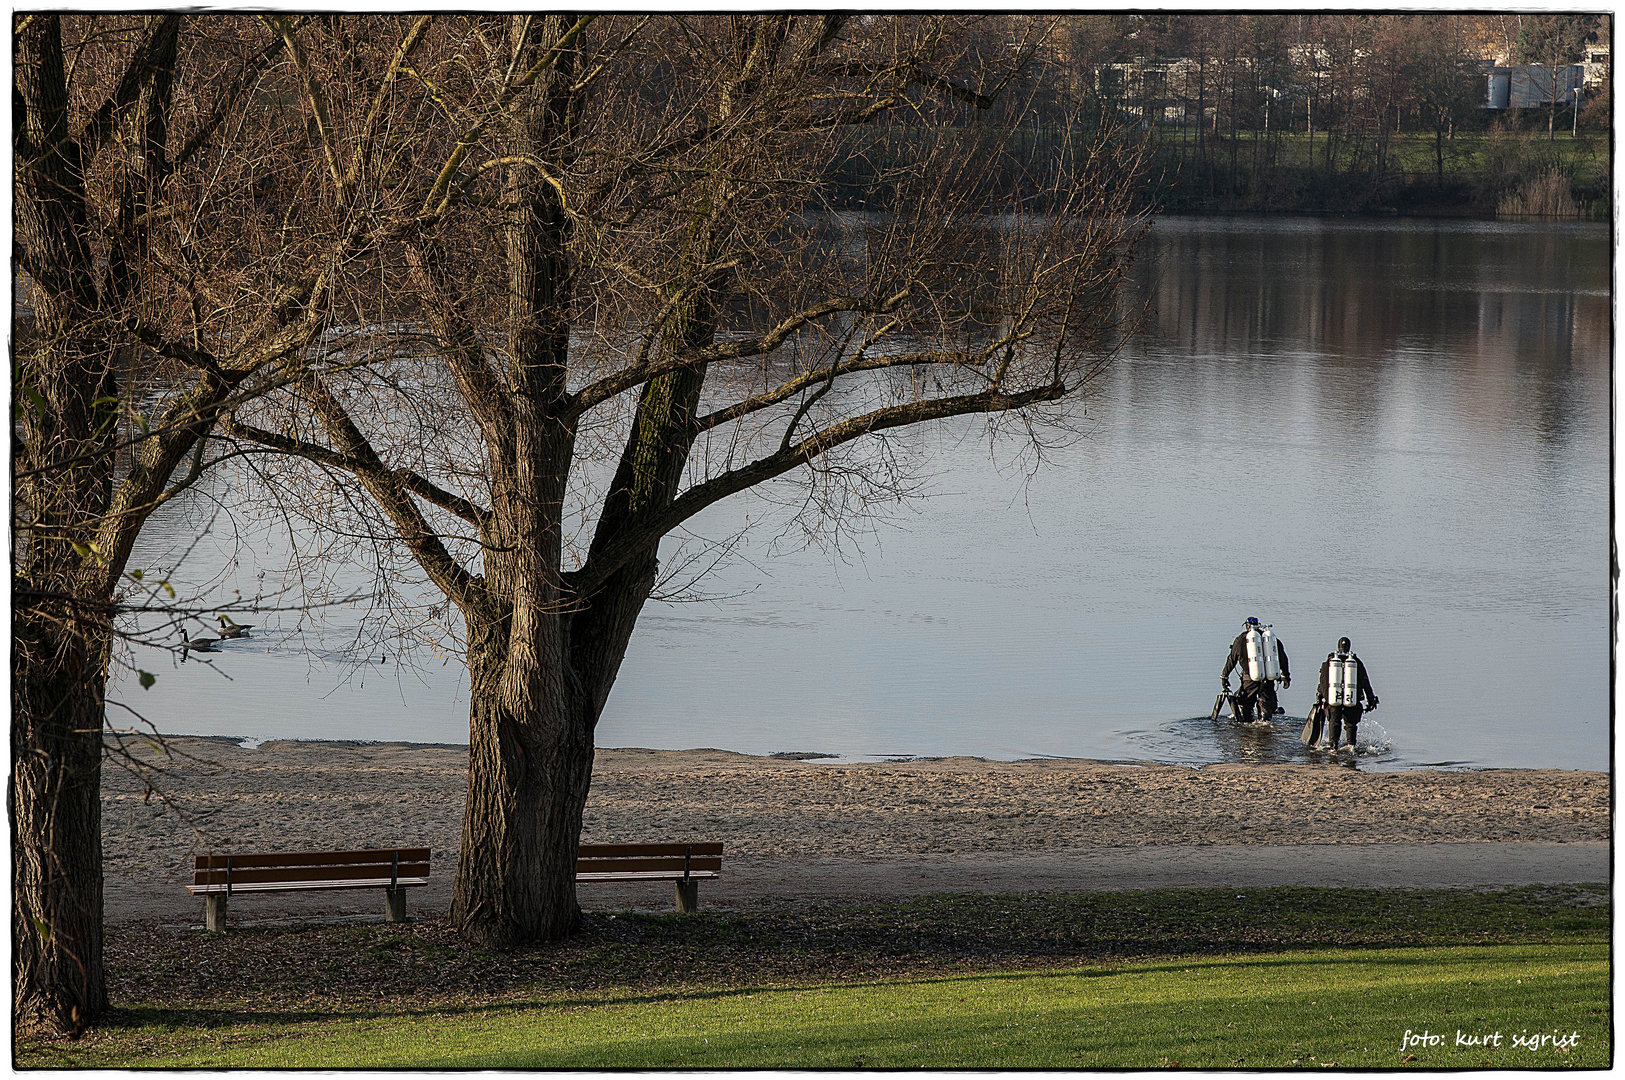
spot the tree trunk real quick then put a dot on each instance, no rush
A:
(529, 768)
(530, 723)
(58, 675)
(1551, 113)
(1309, 122)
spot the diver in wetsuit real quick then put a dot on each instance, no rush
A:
(1251, 652)
(1343, 684)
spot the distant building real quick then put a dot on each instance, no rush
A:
(1530, 86)
(1596, 65)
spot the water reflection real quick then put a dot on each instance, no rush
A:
(1524, 305)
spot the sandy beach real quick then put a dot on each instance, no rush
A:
(805, 830)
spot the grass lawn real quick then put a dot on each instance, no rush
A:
(1198, 978)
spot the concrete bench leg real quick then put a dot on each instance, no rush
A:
(394, 905)
(688, 896)
(214, 912)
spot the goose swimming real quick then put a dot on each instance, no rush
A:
(229, 629)
(202, 644)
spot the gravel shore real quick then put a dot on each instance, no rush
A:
(878, 829)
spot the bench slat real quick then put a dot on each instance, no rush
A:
(283, 886)
(616, 851)
(252, 875)
(642, 876)
(650, 865)
(371, 857)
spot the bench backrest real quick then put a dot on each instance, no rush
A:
(265, 868)
(649, 858)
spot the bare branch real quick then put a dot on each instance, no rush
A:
(435, 200)
(403, 52)
(413, 482)
(646, 533)
(227, 103)
(100, 126)
(317, 100)
(589, 396)
(388, 489)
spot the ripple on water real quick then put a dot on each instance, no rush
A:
(1199, 740)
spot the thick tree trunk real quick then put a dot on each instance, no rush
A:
(67, 551)
(529, 768)
(54, 801)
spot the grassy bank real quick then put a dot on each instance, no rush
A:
(1294, 173)
(1201, 977)
(1290, 173)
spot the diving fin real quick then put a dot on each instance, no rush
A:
(1218, 703)
(1313, 725)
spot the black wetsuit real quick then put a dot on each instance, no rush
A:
(1259, 695)
(1339, 717)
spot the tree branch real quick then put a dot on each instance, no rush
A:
(100, 125)
(620, 382)
(397, 62)
(413, 482)
(463, 350)
(227, 104)
(388, 489)
(610, 54)
(317, 101)
(647, 532)
(440, 191)
(790, 388)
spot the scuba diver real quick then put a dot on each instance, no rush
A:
(1262, 659)
(1343, 683)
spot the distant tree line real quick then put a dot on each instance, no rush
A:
(1318, 112)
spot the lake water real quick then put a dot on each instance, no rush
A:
(1396, 431)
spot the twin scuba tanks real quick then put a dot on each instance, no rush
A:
(1342, 679)
(1263, 660)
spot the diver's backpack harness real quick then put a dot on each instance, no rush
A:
(1263, 658)
(1342, 679)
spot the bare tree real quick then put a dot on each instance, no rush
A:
(1555, 41)
(171, 265)
(624, 296)
(1442, 77)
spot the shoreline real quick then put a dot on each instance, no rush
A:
(846, 760)
(802, 830)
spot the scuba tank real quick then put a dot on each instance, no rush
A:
(1263, 660)
(1342, 679)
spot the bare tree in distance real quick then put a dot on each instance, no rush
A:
(624, 296)
(171, 268)
(1442, 78)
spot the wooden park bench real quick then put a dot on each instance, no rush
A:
(685, 864)
(216, 877)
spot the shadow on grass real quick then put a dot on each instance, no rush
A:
(327, 971)
(1426, 958)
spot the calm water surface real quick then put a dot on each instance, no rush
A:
(1397, 431)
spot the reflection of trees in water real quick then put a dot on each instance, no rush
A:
(1514, 321)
